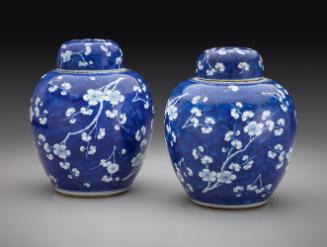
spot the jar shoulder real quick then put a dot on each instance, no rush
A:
(62, 81)
(264, 91)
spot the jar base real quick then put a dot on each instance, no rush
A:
(85, 194)
(222, 206)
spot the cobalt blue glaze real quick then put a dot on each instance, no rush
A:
(230, 140)
(89, 54)
(229, 63)
(91, 127)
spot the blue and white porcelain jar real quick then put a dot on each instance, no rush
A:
(91, 120)
(229, 130)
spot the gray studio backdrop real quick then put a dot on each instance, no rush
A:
(156, 212)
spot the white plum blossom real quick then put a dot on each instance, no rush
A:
(238, 190)
(42, 120)
(122, 118)
(245, 157)
(85, 137)
(206, 130)
(75, 172)
(83, 63)
(137, 160)
(139, 134)
(207, 175)
(111, 114)
(237, 144)
(46, 148)
(271, 154)
(248, 165)
(88, 49)
(41, 137)
(50, 156)
(220, 67)
(196, 152)
(239, 104)
(247, 115)
(278, 147)
(234, 166)
(228, 135)
(86, 111)
(64, 165)
(87, 185)
(210, 72)
(196, 111)
(72, 120)
(233, 88)
(106, 179)
(251, 187)
(270, 124)
(70, 111)
(118, 60)
(61, 151)
(66, 55)
(199, 65)
(222, 51)
(243, 66)
(234, 113)
(265, 115)
(114, 97)
(66, 85)
(209, 120)
(195, 99)
(172, 112)
(281, 121)
(112, 168)
(189, 171)
(173, 136)
(195, 122)
(206, 160)
(92, 150)
(101, 134)
(278, 132)
(254, 128)
(226, 177)
(93, 97)
(260, 63)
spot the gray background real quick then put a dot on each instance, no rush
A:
(157, 212)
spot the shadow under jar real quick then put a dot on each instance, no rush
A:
(229, 130)
(91, 120)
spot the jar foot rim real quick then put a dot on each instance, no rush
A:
(92, 194)
(225, 206)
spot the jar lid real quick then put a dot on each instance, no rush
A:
(89, 54)
(229, 63)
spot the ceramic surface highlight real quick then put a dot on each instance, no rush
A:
(229, 130)
(91, 120)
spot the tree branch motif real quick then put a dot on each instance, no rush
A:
(95, 99)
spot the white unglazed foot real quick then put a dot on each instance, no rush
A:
(222, 206)
(90, 194)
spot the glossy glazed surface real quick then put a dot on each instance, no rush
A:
(230, 142)
(226, 63)
(91, 128)
(89, 54)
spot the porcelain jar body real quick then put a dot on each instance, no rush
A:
(230, 140)
(91, 126)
